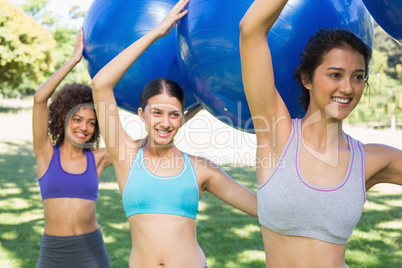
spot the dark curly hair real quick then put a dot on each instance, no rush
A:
(318, 46)
(66, 99)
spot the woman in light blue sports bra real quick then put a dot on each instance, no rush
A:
(310, 200)
(160, 185)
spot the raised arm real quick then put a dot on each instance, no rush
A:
(40, 116)
(383, 165)
(266, 105)
(107, 78)
(228, 190)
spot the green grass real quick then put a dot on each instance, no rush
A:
(228, 237)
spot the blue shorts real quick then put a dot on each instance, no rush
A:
(79, 251)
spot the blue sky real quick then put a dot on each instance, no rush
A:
(60, 9)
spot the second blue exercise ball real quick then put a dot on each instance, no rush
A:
(388, 14)
(112, 25)
(208, 45)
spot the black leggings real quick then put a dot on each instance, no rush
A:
(86, 251)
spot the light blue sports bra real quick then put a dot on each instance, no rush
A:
(145, 192)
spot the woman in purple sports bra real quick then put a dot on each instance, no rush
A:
(312, 198)
(69, 164)
(160, 185)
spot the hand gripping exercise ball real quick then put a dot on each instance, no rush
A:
(388, 14)
(208, 49)
(112, 25)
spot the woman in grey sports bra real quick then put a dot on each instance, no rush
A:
(312, 198)
(161, 210)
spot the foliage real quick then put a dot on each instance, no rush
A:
(386, 44)
(25, 51)
(384, 97)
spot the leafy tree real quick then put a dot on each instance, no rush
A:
(25, 51)
(385, 43)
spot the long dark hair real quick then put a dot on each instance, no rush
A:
(318, 46)
(161, 86)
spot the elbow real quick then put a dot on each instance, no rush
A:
(96, 84)
(38, 98)
(251, 30)
(244, 27)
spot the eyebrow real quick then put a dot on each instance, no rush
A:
(174, 111)
(341, 69)
(76, 115)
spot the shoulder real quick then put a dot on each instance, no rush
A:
(205, 168)
(202, 163)
(382, 162)
(377, 151)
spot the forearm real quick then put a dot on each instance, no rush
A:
(260, 17)
(111, 73)
(46, 90)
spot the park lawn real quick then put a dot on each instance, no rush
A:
(228, 237)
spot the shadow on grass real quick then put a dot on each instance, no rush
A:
(229, 238)
(14, 110)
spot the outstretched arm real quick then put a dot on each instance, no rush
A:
(228, 190)
(266, 105)
(40, 115)
(107, 78)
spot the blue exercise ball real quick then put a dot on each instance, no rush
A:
(112, 25)
(388, 14)
(208, 49)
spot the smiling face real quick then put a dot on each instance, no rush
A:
(162, 117)
(338, 83)
(82, 126)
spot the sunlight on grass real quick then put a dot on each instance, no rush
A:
(118, 226)
(246, 231)
(15, 203)
(202, 206)
(9, 188)
(386, 238)
(201, 217)
(363, 258)
(247, 256)
(397, 225)
(39, 229)
(367, 236)
(369, 205)
(108, 186)
(7, 258)
(9, 235)
(396, 203)
(251, 255)
(211, 262)
(18, 218)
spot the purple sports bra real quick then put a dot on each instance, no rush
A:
(57, 183)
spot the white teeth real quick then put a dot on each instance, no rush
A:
(344, 101)
(80, 135)
(163, 132)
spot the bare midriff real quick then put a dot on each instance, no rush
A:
(164, 241)
(69, 216)
(301, 252)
